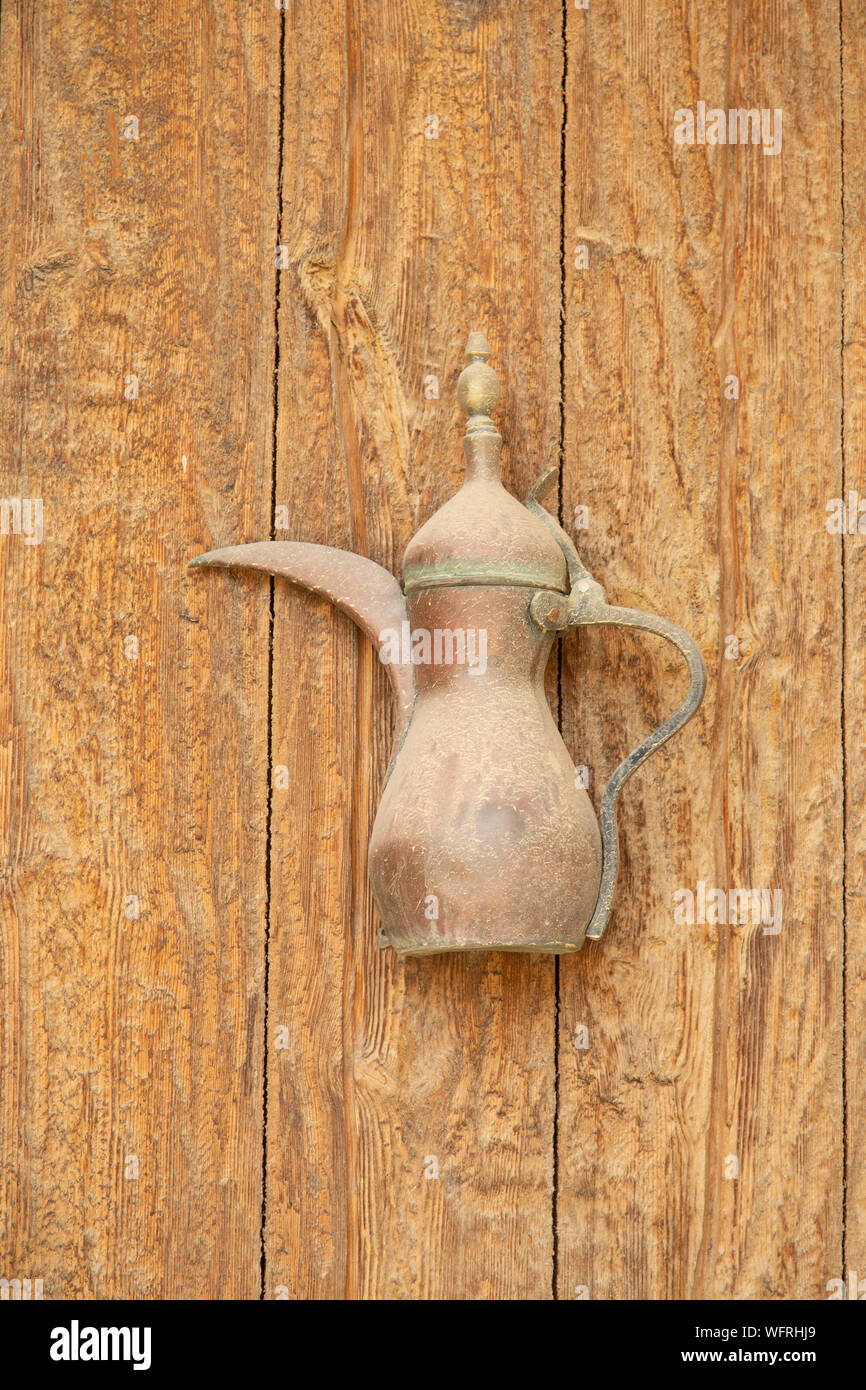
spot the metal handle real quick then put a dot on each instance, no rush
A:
(593, 615)
(586, 606)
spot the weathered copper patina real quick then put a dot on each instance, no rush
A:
(483, 839)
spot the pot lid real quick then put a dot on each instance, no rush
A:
(483, 535)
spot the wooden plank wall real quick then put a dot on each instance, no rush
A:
(134, 737)
(701, 1144)
(399, 243)
(237, 1093)
(853, 480)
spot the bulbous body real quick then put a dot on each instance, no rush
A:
(482, 839)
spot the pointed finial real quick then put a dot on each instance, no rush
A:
(477, 348)
(478, 387)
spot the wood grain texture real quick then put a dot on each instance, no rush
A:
(394, 1125)
(707, 1043)
(398, 245)
(131, 1038)
(854, 547)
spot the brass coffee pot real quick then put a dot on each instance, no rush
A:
(483, 840)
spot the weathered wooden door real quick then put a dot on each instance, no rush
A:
(243, 246)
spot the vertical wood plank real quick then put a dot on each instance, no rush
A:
(133, 788)
(854, 482)
(700, 1148)
(410, 1116)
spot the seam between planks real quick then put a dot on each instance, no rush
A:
(272, 587)
(554, 1211)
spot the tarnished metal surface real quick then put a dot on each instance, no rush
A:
(483, 535)
(483, 839)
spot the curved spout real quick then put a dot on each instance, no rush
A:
(369, 594)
